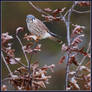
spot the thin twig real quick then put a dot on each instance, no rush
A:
(6, 64)
(15, 59)
(23, 49)
(81, 11)
(82, 61)
(38, 9)
(29, 64)
(35, 44)
(66, 13)
(6, 79)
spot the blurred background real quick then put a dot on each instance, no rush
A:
(14, 15)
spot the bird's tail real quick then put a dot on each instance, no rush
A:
(55, 37)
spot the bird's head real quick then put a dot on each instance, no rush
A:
(30, 18)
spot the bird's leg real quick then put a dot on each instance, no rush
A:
(37, 40)
(35, 43)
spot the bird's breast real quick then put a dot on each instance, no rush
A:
(38, 28)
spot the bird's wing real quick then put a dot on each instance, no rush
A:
(42, 25)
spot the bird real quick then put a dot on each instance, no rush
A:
(38, 28)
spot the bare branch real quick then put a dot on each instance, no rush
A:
(22, 49)
(67, 23)
(6, 64)
(37, 9)
(82, 59)
(81, 11)
(15, 59)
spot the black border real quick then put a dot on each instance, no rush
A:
(45, 0)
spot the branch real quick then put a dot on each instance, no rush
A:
(22, 49)
(67, 23)
(15, 59)
(6, 79)
(11, 74)
(37, 9)
(40, 10)
(76, 72)
(34, 45)
(81, 11)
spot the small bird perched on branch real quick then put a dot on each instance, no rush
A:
(38, 28)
